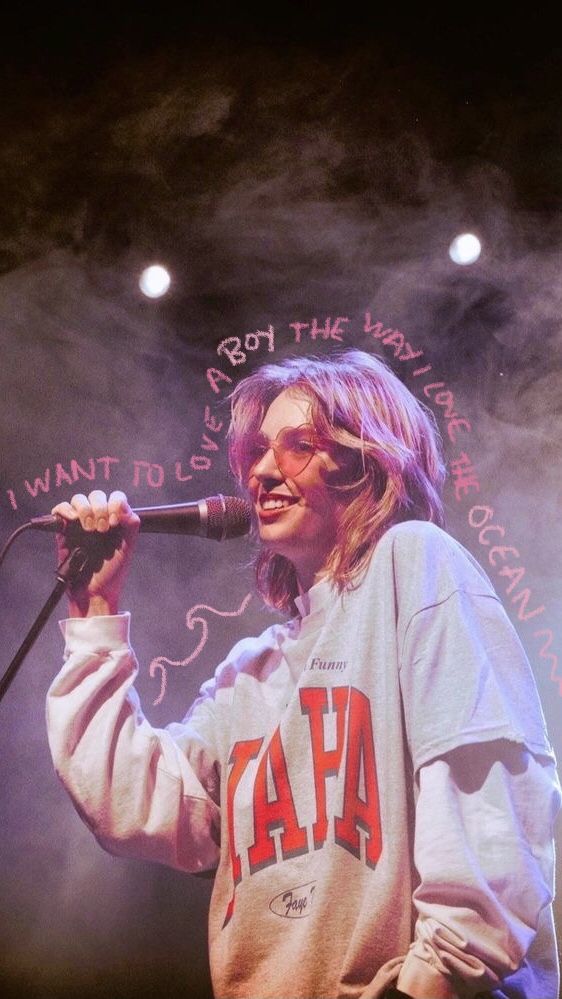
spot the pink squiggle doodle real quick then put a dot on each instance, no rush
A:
(545, 654)
(161, 662)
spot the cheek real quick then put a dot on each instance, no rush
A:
(324, 504)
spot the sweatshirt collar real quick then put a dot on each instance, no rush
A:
(315, 599)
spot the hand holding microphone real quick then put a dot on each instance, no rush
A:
(115, 527)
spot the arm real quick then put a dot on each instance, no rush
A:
(143, 792)
(484, 854)
(483, 849)
(139, 792)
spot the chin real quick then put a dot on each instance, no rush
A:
(280, 546)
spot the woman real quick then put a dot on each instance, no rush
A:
(371, 780)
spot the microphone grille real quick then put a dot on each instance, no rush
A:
(228, 517)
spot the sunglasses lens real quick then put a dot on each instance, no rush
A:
(294, 450)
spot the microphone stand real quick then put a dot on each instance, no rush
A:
(67, 573)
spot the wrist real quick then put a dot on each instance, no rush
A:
(94, 606)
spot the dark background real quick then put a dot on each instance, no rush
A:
(284, 164)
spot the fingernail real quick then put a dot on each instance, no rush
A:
(89, 522)
(113, 520)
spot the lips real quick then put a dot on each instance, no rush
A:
(273, 503)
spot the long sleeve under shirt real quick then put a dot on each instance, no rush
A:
(372, 782)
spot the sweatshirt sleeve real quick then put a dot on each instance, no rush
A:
(484, 854)
(486, 783)
(147, 793)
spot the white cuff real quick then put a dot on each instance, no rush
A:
(418, 979)
(93, 634)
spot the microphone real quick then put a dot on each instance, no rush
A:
(217, 517)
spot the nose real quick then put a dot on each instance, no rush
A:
(266, 467)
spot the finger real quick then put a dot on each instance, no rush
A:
(119, 510)
(82, 506)
(98, 503)
(64, 510)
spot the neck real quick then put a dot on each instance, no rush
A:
(307, 579)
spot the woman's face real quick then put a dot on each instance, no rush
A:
(298, 515)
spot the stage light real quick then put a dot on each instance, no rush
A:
(154, 281)
(465, 249)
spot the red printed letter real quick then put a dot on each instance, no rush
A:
(279, 813)
(360, 769)
(240, 755)
(314, 703)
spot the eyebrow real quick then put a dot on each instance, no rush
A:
(302, 427)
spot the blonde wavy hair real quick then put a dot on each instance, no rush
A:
(388, 442)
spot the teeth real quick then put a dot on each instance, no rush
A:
(275, 504)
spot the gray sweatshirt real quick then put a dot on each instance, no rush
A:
(372, 782)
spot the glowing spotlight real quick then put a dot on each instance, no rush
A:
(465, 249)
(154, 281)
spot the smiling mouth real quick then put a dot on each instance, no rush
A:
(272, 501)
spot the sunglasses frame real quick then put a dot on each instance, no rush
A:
(276, 446)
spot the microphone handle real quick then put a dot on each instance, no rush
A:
(180, 518)
(217, 517)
